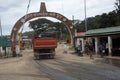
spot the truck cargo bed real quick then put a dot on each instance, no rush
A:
(45, 43)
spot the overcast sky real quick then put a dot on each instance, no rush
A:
(12, 10)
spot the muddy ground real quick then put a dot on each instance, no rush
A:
(65, 66)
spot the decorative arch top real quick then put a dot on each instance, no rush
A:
(42, 8)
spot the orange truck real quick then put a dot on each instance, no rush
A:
(44, 46)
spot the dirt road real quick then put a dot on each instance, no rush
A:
(65, 66)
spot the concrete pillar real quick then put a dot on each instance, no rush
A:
(1, 50)
(8, 50)
(17, 49)
(96, 45)
(110, 45)
(83, 45)
(76, 33)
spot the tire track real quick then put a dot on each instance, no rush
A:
(54, 74)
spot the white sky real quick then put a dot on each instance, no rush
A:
(13, 10)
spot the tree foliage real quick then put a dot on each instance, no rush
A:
(43, 24)
(104, 20)
(110, 19)
(117, 5)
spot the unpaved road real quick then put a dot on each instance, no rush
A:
(63, 67)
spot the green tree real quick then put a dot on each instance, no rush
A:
(40, 24)
(101, 21)
(117, 5)
(43, 24)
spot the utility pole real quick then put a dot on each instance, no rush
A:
(1, 34)
(0, 27)
(73, 21)
(85, 15)
(73, 35)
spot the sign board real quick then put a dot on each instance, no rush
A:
(5, 42)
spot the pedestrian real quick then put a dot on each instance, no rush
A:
(91, 49)
(87, 48)
(102, 49)
(79, 49)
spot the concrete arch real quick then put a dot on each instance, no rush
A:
(42, 13)
(30, 16)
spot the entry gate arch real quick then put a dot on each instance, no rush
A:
(42, 13)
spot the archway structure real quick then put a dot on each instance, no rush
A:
(42, 13)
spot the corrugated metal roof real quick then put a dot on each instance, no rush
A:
(104, 31)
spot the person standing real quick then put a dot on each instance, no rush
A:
(79, 49)
(91, 49)
(87, 48)
(102, 49)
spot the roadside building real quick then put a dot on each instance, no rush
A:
(110, 37)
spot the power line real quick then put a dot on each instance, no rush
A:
(23, 23)
(28, 6)
(26, 13)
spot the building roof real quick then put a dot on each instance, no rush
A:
(103, 31)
